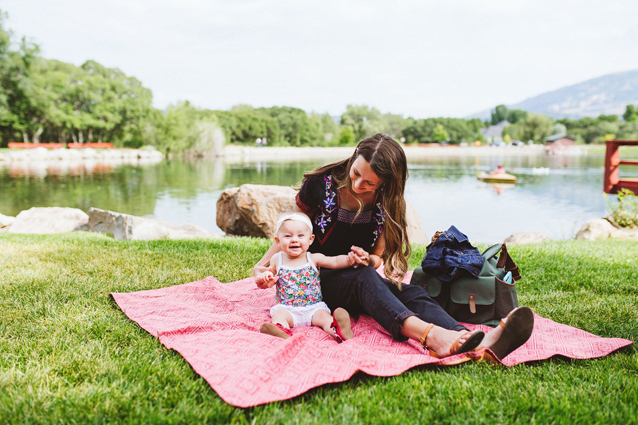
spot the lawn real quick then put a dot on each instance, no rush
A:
(70, 355)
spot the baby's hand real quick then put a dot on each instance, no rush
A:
(265, 280)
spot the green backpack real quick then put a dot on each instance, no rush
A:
(483, 300)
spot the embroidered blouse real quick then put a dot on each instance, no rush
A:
(335, 228)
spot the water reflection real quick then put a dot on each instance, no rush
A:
(444, 190)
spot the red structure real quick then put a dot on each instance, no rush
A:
(90, 145)
(612, 182)
(12, 145)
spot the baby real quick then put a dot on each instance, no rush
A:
(294, 270)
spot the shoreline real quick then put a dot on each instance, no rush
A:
(233, 154)
(243, 154)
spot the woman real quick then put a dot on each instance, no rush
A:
(359, 202)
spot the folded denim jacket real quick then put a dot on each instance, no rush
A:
(450, 253)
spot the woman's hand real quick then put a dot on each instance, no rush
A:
(266, 279)
(359, 256)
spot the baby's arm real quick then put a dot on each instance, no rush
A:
(337, 262)
(268, 278)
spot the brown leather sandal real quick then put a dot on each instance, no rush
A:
(472, 341)
(516, 332)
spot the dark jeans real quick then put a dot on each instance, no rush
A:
(364, 291)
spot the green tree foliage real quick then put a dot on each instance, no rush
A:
(432, 129)
(439, 133)
(48, 100)
(502, 113)
(499, 114)
(597, 130)
(366, 121)
(346, 137)
(631, 113)
(533, 127)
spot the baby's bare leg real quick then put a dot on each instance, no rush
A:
(284, 318)
(323, 319)
(281, 318)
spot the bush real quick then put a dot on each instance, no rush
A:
(625, 210)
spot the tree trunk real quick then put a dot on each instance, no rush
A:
(90, 135)
(25, 137)
(75, 139)
(36, 135)
(80, 134)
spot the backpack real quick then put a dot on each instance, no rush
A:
(483, 300)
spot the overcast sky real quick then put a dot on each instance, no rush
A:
(416, 58)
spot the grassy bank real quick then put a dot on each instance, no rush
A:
(69, 354)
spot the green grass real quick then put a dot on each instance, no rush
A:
(68, 354)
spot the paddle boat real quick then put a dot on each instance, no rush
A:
(496, 178)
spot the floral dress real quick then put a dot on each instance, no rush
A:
(298, 287)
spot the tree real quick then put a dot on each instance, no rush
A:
(499, 114)
(534, 127)
(439, 134)
(346, 137)
(356, 117)
(631, 113)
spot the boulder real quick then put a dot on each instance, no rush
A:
(49, 220)
(416, 234)
(6, 221)
(129, 227)
(601, 228)
(253, 210)
(525, 237)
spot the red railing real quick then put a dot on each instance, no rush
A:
(613, 183)
(90, 145)
(34, 145)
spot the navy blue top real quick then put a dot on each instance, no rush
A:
(336, 229)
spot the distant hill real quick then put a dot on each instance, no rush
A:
(609, 94)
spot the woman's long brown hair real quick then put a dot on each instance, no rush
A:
(387, 159)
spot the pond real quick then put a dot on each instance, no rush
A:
(554, 194)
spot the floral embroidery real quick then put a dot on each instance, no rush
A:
(298, 287)
(379, 219)
(329, 205)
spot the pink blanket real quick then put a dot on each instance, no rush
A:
(215, 327)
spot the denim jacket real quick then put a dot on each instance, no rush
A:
(449, 254)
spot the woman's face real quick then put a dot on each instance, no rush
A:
(363, 178)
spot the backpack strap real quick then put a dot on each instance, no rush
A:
(506, 262)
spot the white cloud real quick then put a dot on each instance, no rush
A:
(418, 58)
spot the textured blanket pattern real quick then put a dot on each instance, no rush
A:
(215, 327)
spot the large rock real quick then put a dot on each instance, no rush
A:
(416, 234)
(525, 237)
(49, 220)
(253, 210)
(601, 228)
(6, 221)
(129, 227)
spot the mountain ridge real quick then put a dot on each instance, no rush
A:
(608, 94)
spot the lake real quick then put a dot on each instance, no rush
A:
(444, 190)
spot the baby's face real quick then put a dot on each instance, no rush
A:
(294, 238)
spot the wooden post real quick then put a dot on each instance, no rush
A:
(612, 160)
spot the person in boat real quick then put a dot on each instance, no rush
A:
(357, 206)
(499, 170)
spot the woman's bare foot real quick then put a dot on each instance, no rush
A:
(512, 332)
(445, 342)
(491, 337)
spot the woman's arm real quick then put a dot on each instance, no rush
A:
(372, 258)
